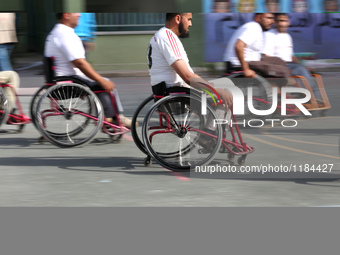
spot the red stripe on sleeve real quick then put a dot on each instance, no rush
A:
(173, 43)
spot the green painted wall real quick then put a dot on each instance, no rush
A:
(194, 6)
(194, 45)
(113, 52)
(74, 6)
(12, 5)
(119, 52)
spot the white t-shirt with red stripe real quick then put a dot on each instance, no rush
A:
(165, 48)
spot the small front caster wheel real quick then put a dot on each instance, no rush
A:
(241, 160)
(116, 138)
(147, 161)
(231, 156)
(41, 140)
(21, 128)
(222, 149)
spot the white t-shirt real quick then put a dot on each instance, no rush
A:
(278, 45)
(251, 34)
(165, 48)
(64, 45)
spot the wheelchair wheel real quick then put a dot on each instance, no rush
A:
(141, 112)
(69, 114)
(261, 97)
(178, 136)
(174, 108)
(139, 117)
(34, 103)
(3, 106)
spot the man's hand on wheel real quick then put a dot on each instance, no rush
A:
(248, 73)
(226, 96)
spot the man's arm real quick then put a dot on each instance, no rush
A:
(239, 49)
(182, 69)
(88, 70)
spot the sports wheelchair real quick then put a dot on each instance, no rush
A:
(177, 134)
(11, 118)
(314, 105)
(67, 113)
(262, 97)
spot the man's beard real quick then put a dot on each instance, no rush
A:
(264, 29)
(182, 32)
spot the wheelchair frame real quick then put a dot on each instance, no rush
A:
(234, 147)
(312, 106)
(19, 119)
(50, 89)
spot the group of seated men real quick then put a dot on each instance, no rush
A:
(257, 47)
(254, 47)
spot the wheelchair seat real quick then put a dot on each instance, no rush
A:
(229, 68)
(160, 89)
(49, 70)
(50, 75)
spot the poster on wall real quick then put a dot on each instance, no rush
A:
(287, 6)
(312, 30)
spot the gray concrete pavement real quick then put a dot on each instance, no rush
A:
(105, 174)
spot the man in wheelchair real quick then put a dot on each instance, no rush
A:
(243, 52)
(69, 60)
(278, 43)
(167, 59)
(169, 66)
(178, 131)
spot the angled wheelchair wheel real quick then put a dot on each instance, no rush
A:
(69, 114)
(3, 106)
(141, 112)
(34, 103)
(43, 89)
(178, 136)
(139, 116)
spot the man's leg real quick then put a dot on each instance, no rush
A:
(10, 78)
(104, 97)
(268, 69)
(5, 60)
(118, 102)
(298, 69)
